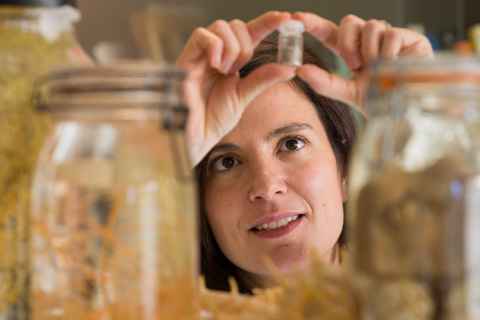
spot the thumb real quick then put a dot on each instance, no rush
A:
(262, 79)
(332, 86)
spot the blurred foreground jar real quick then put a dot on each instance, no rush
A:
(35, 36)
(114, 208)
(415, 191)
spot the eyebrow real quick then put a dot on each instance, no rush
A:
(290, 128)
(223, 148)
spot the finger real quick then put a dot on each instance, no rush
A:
(349, 41)
(261, 79)
(402, 42)
(330, 85)
(246, 45)
(231, 46)
(372, 38)
(322, 29)
(261, 27)
(391, 45)
(202, 43)
(414, 44)
(195, 103)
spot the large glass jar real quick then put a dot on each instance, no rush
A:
(35, 36)
(414, 206)
(114, 205)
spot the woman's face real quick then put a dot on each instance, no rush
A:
(273, 189)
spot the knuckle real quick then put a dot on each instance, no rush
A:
(375, 25)
(239, 26)
(273, 13)
(347, 47)
(199, 32)
(216, 42)
(213, 42)
(231, 50)
(350, 18)
(246, 53)
(390, 34)
(237, 22)
(371, 52)
(234, 50)
(372, 24)
(219, 24)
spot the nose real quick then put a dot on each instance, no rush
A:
(266, 184)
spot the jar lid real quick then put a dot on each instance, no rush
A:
(443, 68)
(446, 83)
(126, 91)
(39, 3)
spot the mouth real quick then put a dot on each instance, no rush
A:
(278, 228)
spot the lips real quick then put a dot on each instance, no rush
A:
(279, 228)
(277, 225)
(275, 222)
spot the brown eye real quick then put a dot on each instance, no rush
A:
(292, 144)
(224, 163)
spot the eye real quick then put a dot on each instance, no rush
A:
(292, 144)
(224, 163)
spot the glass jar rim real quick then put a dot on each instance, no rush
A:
(109, 87)
(11, 11)
(446, 83)
(442, 68)
(40, 3)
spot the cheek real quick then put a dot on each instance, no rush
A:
(221, 205)
(319, 182)
(321, 188)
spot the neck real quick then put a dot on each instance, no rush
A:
(335, 256)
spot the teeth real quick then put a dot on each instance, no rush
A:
(277, 224)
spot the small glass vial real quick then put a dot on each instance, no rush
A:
(290, 43)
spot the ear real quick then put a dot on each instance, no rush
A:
(344, 187)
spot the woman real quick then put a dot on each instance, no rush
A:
(270, 143)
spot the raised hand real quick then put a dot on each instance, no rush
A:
(215, 93)
(359, 43)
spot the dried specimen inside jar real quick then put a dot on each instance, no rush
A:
(411, 221)
(24, 56)
(399, 300)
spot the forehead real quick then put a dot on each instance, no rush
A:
(281, 105)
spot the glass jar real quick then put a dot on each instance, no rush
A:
(36, 36)
(114, 232)
(414, 205)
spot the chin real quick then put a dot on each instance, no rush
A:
(290, 258)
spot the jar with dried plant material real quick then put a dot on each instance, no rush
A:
(113, 221)
(35, 36)
(414, 210)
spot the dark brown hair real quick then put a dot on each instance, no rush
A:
(339, 125)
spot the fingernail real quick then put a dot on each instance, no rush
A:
(218, 62)
(299, 72)
(354, 63)
(227, 68)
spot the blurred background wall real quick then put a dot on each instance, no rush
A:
(446, 20)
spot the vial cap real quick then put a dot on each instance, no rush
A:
(38, 3)
(292, 27)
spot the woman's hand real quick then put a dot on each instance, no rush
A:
(359, 43)
(214, 91)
